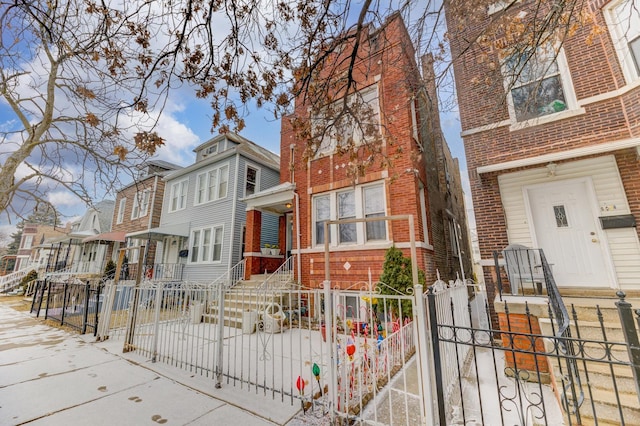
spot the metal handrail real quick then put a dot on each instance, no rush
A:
(232, 276)
(281, 277)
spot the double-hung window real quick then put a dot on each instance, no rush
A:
(121, 207)
(623, 18)
(140, 204)
(206, 245)
(322, 213)
(251, 181)
(363, 201)
(179, 195)
(212, 185)
(358, 122)
(535, 83)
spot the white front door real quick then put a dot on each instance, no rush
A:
(564, 225)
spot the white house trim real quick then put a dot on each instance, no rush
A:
(563, 155)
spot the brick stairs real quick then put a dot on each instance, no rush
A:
(599, 379)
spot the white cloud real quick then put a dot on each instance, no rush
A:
(63, 199)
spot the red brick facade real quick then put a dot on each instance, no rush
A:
(416, 164)
(607, 112)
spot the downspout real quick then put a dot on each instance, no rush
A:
(233, 210)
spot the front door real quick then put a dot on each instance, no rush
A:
(564, 225)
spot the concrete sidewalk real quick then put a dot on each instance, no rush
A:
(49, 376)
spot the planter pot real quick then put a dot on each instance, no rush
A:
(275, 252)
(265, 251)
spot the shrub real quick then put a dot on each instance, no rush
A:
(109, 270)
(32, 275)
(397, 278)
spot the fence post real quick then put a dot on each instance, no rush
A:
(64, 301)
(156, 320)
(423, 356)
(85, 314)
(35, 296)
(220, 339)
(630, 336)
(95, 323)
(46, 309)
(437, 362)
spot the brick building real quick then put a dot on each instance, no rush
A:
(409, 171)
(553, 152)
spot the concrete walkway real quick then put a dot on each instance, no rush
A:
(50, 377)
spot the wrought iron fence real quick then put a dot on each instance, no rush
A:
(74, 303)
(528, 373)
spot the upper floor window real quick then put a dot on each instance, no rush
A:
(357, 123)
(213, 149)
(212, 185)
(367, 201)
(536, 83)
(251, 181)
(206, 245)
(27, 241)
(623, 18)
(140, 204)
(179, 195)
(121, 207)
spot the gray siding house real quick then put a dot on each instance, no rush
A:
(203, 213)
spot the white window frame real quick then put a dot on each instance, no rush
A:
(361, 234)
(121, 207)
(567, 90)
(206, 251)
(178, 194)
(622, 32)
(329, 143)
(208, 185)
(27, 242)
(141, 204)
(256, 187)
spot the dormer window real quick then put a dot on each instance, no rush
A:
(213, 149)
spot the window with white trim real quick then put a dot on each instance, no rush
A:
(363, 201)
(27, 242)
(538, 83)
(339, 125)
(206, 245)
(140, 204)
(121, 207)
(212, 185)
(623, 18)
(251, 180)
(178, 195)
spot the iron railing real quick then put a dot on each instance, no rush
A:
(232, 276)
(282, 277)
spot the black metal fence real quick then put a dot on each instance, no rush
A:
(76, 304)
(526, 373)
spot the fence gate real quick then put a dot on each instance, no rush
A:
(71, 302)
(530, 371)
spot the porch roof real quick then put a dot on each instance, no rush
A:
(177, 229)
(274, 199)
(117, 236)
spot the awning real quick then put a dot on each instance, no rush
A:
(177, 229)
(107, 236)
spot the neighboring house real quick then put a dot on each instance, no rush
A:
(88, 233)
(421, 179)
(137, 209)
(35, 252)
(203, 213)
(557, 171)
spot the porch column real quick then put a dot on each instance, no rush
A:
(252, 245)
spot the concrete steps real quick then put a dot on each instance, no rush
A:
(244, 298)
(598, 376)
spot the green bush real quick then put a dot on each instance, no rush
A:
(397, 277)
(32, 275)
(109, 270)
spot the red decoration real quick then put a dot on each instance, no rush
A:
(300, 384)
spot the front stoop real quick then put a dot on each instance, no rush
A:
(599, 375)
(244, 298)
